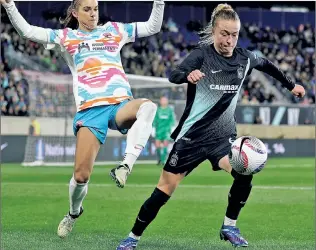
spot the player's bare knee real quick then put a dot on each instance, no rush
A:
(81, 176)
(168, 188)
(224, 164)
(168, 181)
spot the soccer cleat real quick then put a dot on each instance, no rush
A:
(67, 223)
(232, 234)
(119, 174)
(127, 244)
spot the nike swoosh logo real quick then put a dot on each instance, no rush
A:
(242, 142)
(3, 146)
(138, 147)
(215, 71)
(140, 220)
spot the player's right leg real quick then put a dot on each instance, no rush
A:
(90, 130)
(179, 164)
(86, 151)
(168, 182)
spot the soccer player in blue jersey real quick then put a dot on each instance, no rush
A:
(214, 72)
(102, 93)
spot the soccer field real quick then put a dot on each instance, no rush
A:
(279, 213)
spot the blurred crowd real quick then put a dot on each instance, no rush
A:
(292, 50)
(33, 50)
(14, 92)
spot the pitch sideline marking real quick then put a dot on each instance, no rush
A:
(153, 185)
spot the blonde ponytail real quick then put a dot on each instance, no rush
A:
(223, 11)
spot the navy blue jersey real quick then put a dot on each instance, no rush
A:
(211, 103)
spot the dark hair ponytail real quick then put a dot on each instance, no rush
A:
(70, 21)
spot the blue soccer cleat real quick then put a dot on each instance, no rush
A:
(127, 244)
(232, 234)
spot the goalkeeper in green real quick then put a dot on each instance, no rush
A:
(163, 123)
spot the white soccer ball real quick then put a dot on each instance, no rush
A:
(248, 155)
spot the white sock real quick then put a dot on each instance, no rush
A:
(229, 222)
(139, 133)
(130, 160)
(77, 192)
(134, 236)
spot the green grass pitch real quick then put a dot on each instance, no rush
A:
(279, 213)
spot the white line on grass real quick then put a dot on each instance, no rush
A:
(153, 185)
(291, 166)
(144, 162)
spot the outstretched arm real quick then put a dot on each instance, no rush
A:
(153, 25)
(266, 66)
(34, 33)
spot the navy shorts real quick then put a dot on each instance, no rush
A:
(186, 156)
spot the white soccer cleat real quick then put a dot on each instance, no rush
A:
(120, 174)
(67, 224)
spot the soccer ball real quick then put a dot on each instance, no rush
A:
(248, 155)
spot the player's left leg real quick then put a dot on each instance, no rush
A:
(137, 116)
(237, 197)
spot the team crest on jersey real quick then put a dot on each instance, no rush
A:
(240, 72)
(174, 160)
(83, 47)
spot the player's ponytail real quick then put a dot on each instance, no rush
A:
(70, 21)
(222, 11)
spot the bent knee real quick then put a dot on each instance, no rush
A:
(147, 110)
(149, 105)
(168, 182)
(167, 188)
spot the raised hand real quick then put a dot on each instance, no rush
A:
(195, 76)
